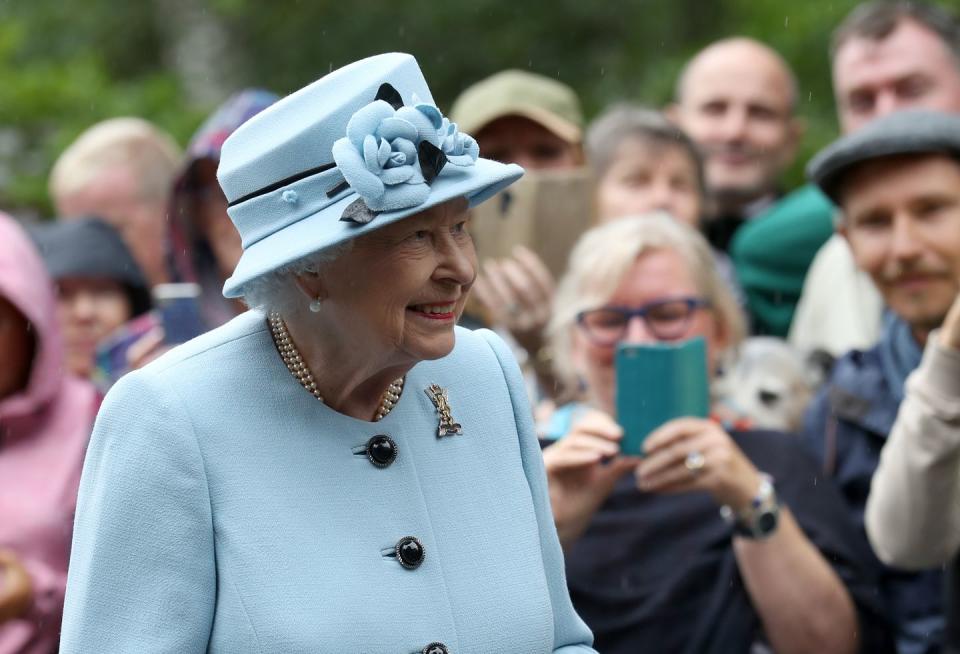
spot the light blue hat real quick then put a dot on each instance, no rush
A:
(356, 150)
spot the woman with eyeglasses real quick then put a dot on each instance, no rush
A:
(714, 540)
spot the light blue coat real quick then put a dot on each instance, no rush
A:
(224, 509)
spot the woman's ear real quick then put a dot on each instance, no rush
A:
(311, 285)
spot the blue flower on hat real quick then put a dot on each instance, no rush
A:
(461, 149)
(378, 157)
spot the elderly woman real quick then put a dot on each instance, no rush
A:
(340, 469)
(653, 563)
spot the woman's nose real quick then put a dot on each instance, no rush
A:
(458, 262)
(82, 306)
(637, 332)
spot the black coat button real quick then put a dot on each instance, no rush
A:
(381, 450)
(410, 552)
(435, 648)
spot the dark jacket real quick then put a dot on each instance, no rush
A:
(657, 573)
(846, 426)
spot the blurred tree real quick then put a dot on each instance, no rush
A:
(67, 65)
(65, 68)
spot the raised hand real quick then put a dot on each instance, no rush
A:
(582, 469)
(689, 454)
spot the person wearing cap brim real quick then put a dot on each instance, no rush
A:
(897, 183)
(524, 118)
(339, 468)
(100, 287)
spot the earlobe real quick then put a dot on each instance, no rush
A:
(311, 285)
(672, 112)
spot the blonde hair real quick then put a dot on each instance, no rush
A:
(151, 154)
(604, 254)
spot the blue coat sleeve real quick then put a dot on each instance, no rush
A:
(142, 574)
(571, 634)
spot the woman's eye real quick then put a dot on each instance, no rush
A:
(420, 234)
(460, 227)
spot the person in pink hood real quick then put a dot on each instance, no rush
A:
(45, 419)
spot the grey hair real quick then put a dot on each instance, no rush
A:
(877, 20)
(604, 254)
(277, 289)
(626, 121)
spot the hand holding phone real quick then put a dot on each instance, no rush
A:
(656, 383)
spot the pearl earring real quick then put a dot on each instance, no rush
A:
(315, 305)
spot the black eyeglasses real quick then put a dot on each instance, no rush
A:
(667, 320)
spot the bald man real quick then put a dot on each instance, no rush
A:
(736, 99)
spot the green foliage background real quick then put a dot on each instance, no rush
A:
(66, 65)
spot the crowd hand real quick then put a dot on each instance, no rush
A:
(518, 293)
(16, 591)
(690, 454)
(582, 469)
(950, 331)
(146, 348)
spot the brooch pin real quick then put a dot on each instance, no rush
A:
(438, 395)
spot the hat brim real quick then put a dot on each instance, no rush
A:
(902, 133)
(324, 229)
(565, 129)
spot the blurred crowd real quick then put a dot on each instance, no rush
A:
(829, 314)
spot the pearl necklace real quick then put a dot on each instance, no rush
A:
(298, 368)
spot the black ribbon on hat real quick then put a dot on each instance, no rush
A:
(431, 158)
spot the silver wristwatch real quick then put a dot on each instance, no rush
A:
(759, 519)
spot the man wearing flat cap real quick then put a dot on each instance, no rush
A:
(897, 183)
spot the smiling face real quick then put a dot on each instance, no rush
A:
(910, 68)
(396, 295)
(656, 275)
(645, 176)
(902, 221)
(736, 102)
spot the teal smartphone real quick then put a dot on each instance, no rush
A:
(656, 383)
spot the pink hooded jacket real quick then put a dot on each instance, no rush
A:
(43, 437)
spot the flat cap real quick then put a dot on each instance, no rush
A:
(905, 132)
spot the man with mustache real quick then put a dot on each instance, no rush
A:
(737, 100)
(884, 56)
(897, 184)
